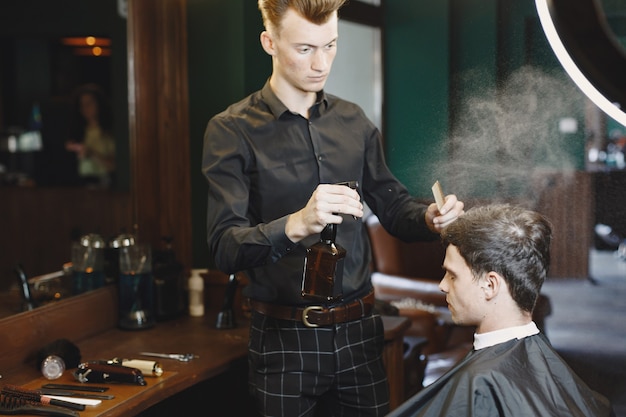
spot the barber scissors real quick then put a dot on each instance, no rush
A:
(182, 357)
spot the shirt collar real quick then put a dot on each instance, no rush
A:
(321, 101)
(278, 108)
(484, 340)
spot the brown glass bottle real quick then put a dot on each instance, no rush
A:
(323, 267)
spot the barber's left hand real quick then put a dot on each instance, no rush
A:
(437, 220)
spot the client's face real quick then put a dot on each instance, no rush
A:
(464, 294)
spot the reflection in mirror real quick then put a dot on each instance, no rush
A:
(40, 117)
(43, 65)
(48, 48)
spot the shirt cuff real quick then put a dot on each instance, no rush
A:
(281, 244)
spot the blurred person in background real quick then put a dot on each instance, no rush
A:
(91, 137)
(497, 259)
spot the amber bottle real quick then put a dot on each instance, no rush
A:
(323, 267)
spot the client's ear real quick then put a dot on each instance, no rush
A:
(492, 283)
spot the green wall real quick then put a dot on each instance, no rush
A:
(474, 96)
(416, 89)
(226, 63)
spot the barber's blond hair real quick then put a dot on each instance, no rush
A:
(315, 11)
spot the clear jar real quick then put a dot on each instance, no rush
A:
(52, 367)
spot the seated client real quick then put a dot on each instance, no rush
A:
(496, 261)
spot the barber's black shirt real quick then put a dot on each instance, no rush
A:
(263, 162)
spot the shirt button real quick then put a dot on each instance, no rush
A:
(319, 158)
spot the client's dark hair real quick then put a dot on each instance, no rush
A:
(507, 239)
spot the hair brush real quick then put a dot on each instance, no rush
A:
(11, 405)
(37, 398)
(66, 350)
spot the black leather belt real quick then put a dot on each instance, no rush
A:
(317, 315)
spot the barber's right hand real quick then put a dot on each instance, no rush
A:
(325, 206)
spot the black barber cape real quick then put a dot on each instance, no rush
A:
(516, 378)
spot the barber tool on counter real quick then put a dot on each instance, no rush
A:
(11, 405)
(38, 398)
(56, 356)
(52, 367)
(181, 357)
(147, 368)
(68, 390)
(99, 372)
(74, 387)
(226, 316)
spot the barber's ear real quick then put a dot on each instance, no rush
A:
(491, 284)
(267, 42)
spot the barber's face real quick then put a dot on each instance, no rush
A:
(464, 294)
(303, 52)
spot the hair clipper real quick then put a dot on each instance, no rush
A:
(100, 372)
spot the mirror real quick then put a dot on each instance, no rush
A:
(44, 59)
(36, 222)
(48, 50)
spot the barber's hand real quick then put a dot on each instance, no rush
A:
(437, 220)
(324, 207)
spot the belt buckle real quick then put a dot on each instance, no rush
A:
(305, 314)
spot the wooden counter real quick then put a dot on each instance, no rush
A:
(216, 349)
(89, 321)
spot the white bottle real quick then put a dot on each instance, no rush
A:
(196, 293)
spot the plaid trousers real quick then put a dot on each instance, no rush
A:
(324, 371)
